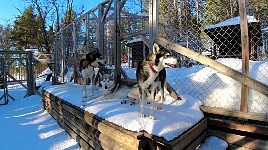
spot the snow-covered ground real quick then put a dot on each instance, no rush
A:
(26, 124)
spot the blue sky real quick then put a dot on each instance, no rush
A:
(9, 11)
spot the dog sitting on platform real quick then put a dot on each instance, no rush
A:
(107, 82)
(86, 67)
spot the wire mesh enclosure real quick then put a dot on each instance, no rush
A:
(124, 31)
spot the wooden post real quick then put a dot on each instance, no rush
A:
(117, 43)
(153, 22)
(245, 53)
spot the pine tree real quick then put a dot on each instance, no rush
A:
(25, 30)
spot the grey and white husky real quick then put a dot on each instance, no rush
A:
(151, 74)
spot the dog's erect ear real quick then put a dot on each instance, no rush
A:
(112, 74)
(155, 48)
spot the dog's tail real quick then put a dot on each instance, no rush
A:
(81, 65)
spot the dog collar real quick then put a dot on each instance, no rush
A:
(152, 68)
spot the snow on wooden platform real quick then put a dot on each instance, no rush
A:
(173, 120)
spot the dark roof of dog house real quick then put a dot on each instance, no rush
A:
(227, 35)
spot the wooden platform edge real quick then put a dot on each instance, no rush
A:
(190, 138)
(235, 114)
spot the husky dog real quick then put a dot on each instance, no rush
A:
(107, 82)
(151, 74)
(86, 67)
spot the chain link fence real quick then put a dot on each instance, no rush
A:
(212, 28)
(208, 27)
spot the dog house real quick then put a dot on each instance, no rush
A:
(226, 36)
(139, 50)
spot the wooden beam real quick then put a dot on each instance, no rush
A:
(242, 142)
(245, 127)
(234, 114)
(228, 71)
(245, 53)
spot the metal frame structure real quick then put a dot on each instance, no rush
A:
(11, 60)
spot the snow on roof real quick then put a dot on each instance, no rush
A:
(231, 21)
(265, 29)
(134, 40)
(32, 50)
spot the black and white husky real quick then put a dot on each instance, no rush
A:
(93, 59)
(151, 74)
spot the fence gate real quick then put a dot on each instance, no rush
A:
(16, 69)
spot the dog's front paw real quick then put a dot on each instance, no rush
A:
(124, 102)
(142, 115)
(133, 103)
(152, 117)
(159, 108)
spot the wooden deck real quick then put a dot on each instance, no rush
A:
(93, 132)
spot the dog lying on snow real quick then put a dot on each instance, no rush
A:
(151, 74)
(107, 82)
(86, 67)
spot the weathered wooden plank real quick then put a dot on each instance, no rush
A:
(87, 130)
(240, 141)
(255, 129)
(196, 142)
(234, 114)
(245, 53)
(75, 136)
(186, 138)
(114, 144)
(113, 133)
(230, 72)
(93, 142)
(56, 107)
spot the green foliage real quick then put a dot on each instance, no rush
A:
(25, 30)
(6, 42)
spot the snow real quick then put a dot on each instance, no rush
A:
(25, 125)
(232, 21)
(24, 122)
